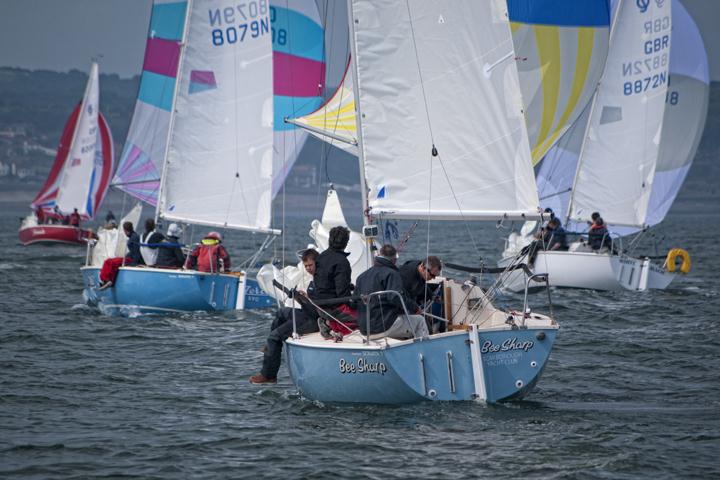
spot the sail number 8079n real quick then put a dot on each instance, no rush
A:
(233, 24)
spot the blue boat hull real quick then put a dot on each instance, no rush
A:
(154, 290)
(436, 368)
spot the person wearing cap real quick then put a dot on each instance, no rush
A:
(170, 254)
(209, 256)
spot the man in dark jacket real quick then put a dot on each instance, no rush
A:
(333, 272)
(170, 254)
(386, 315)
(415, 275)
(598, 236)
(133, 245)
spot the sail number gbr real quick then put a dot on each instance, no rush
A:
(239, 22)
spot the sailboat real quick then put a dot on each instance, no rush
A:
(627, 155)
(79, 178)
(440, 136)
(202, 146)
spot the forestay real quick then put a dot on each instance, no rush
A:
(621, 147)
(142, 158)
(218, 170)
(561, 47)
(443, 73)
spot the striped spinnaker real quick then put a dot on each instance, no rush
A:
(561, 47)
(141, 161)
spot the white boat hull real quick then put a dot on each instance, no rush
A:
(592, 270)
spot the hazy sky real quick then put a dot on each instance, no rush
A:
(66, 34)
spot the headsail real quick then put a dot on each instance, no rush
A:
(621, 147)
(560, 47)
(298, 77)
(441, 74)
(74, 186)
(218, 170)
(141, 161)
(686, 108)
(334, 119)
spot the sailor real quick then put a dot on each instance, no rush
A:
(333, 280)
(415, 275)
(598, 236)
(150, 241)
(40, 214)
(170, 254)
(386, 315)
(111, 266)
(110, 221)
(333, 274)
(209, 256)
(282, 328)
(554, 237)
(134, 257)
(75, 218)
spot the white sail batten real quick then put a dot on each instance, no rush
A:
(218, 170)
(460, 92)
(621, 147)
(75, 181)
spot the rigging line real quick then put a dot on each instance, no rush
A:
(417, 62)
(432, 138)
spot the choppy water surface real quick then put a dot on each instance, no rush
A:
(632, 388)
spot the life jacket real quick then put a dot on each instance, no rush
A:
(149, 254)
(207, 257)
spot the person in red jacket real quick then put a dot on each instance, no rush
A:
(75, 219)
(210, 256)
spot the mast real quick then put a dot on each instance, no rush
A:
(590, 116)
(183, 46)
(358, 115)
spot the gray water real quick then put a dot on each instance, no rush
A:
(631, 390)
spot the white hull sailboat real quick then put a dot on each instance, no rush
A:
(626, 157)
(582, 267)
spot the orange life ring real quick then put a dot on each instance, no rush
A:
(673, 255)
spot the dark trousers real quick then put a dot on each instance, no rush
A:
(281, 330)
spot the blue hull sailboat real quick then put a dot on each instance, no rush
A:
(201, 144)
(154, 290)
(440, 136)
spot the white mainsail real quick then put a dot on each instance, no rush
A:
(218, 170)
(620, 151)
(441, 74)
(75, 181)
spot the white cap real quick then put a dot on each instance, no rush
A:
(174, 230)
